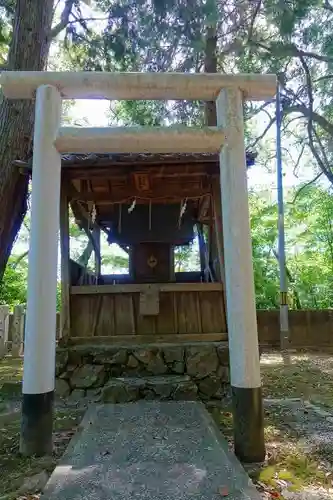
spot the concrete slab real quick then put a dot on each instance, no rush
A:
(149, 450)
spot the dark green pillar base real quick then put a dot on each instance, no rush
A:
(248, 419)
(37, 424)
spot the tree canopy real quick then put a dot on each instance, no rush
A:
(290, 38)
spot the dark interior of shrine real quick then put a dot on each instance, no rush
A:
(148, 204)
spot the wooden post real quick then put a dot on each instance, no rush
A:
(96, 232)
(218, 228)
(172, 264)
(4, 323)
(241, 307)
(202, 256)
(40, 331)
(64, 265)
(18, 331)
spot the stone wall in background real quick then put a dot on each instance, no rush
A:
(117, 374)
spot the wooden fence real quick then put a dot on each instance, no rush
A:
(12, 330)
(308, 329)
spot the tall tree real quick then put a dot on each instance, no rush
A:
(28, 50)
(30, 40)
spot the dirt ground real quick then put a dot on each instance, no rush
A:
(298, 394)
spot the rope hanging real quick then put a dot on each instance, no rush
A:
(93, 214)
(132, 207)
(183, 207)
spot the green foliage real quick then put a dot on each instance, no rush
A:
(309, 249)
(264, 238)
(310, 229)
(117, 263)
(13, 289)
(142, 113)
(6, 12)
(290, 14)
(187, 258)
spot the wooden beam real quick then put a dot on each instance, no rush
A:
(140, 139)
(133, 340)
(138, 288)
(204, 206)
(121, 195)
(64, 265)
(160, 86)
(114, 170)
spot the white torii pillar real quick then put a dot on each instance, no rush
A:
(40, 330)
(241, 307)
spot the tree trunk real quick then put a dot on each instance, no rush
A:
(210, 66)
(28, 51)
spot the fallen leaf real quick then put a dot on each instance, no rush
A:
(223, 491)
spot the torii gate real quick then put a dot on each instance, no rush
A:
(50, 140)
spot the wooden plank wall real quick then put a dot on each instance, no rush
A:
(104, 315)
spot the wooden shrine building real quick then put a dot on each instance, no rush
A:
(148, 204)
(146, 188)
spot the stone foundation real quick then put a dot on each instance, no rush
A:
(155, 371)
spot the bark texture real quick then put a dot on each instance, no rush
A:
(28, 51)
(210, 65)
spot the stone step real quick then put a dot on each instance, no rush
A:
(149, 450)
(87, 368)
(170, 387)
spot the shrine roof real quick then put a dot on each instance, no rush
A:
(74, 159)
